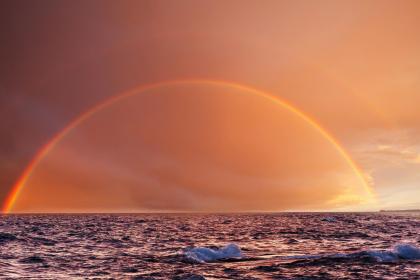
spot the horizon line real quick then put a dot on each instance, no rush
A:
(211, 212)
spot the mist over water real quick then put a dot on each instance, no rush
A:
(211, 246)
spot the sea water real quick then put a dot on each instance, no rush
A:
(211, 246)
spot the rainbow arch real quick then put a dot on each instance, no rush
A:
(17, 188)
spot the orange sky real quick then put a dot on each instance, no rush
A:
(197, 146)
(352, 65)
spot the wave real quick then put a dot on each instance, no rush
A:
(232, 252)
(204, 254)
(404, 251)
(400, 252)
(6, 237)
(329, 219)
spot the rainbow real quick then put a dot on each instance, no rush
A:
(20, 184)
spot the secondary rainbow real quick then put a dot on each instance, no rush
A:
(20, 184)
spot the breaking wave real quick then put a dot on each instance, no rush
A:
(400, 252)
(204, 254)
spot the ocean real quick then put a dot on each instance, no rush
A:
(383, 245)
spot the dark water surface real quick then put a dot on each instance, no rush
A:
(211, 246)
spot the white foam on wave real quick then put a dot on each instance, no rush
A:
(403, 251)
(329, 219)
(400, 252)
(204, 254)
(408, 251)
(382, 256)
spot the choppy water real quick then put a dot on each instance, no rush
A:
(180, 246)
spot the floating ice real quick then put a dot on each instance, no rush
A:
(203, 254)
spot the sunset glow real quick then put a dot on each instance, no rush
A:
(198, 87)
(349, 68)
(210, 139)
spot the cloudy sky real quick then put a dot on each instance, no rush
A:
(353, 66)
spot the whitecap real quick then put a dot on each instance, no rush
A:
(400, 252)
(329, 219)
(381, 256)
(407, 251)
(403, 251)
(204, 254)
